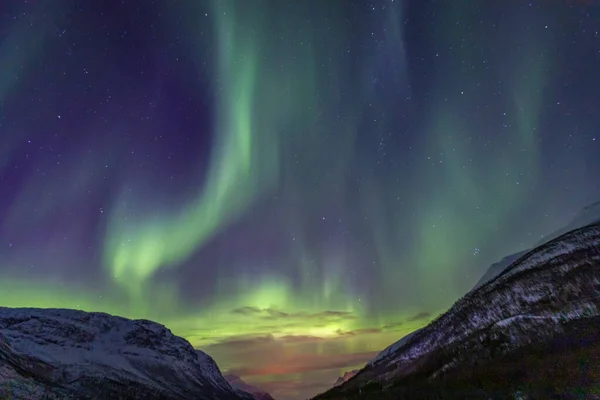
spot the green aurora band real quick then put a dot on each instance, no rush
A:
(277, 86)
(272, 89)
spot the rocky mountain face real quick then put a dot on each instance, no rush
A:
(237, 383)
(532, 332)
(69, 354)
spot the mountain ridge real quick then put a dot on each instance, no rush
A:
(540, 295)
(586, 216)
(72, 354)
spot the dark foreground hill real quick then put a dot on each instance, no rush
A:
(532, 332)
(67, 354)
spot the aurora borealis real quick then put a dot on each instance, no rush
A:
(290, 185)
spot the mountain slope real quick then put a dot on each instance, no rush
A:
(237, 383)
(392, 348)
(70, 354)
(497, 268)
(587, 216)
(545, 299)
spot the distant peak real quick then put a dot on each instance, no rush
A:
(593, 205)
(238, 383)
(346, 377)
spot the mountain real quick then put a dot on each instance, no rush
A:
(237, 383)
(69, 354)
(588, 215)
(346, 377)
(497, 268)
(392, 348)
(533, 331)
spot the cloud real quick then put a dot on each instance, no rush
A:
(334, 314)
(291, 354)
(392, 325)
(267, 313)
(248, 340)
(355, 332)
(419, 316)
(245, 340)
(281, 346)
(305, 363)
(286, 346)
(292, 388)
(272, 313)
(246, 310)
(301, 338)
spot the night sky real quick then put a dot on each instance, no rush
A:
(290, 185)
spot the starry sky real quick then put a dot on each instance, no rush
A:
(290, 185)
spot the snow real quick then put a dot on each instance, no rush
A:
(514, 307)
(507, 321)
(555, 250)
(497, 268)
(35, 338)
(585, 217)
(393, 348)
(99, 345)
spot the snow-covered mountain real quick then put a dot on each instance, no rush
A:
(70, 354)
(237, 383)
(496, 269)
(587, 216)
(549, 299)
(392, 348)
